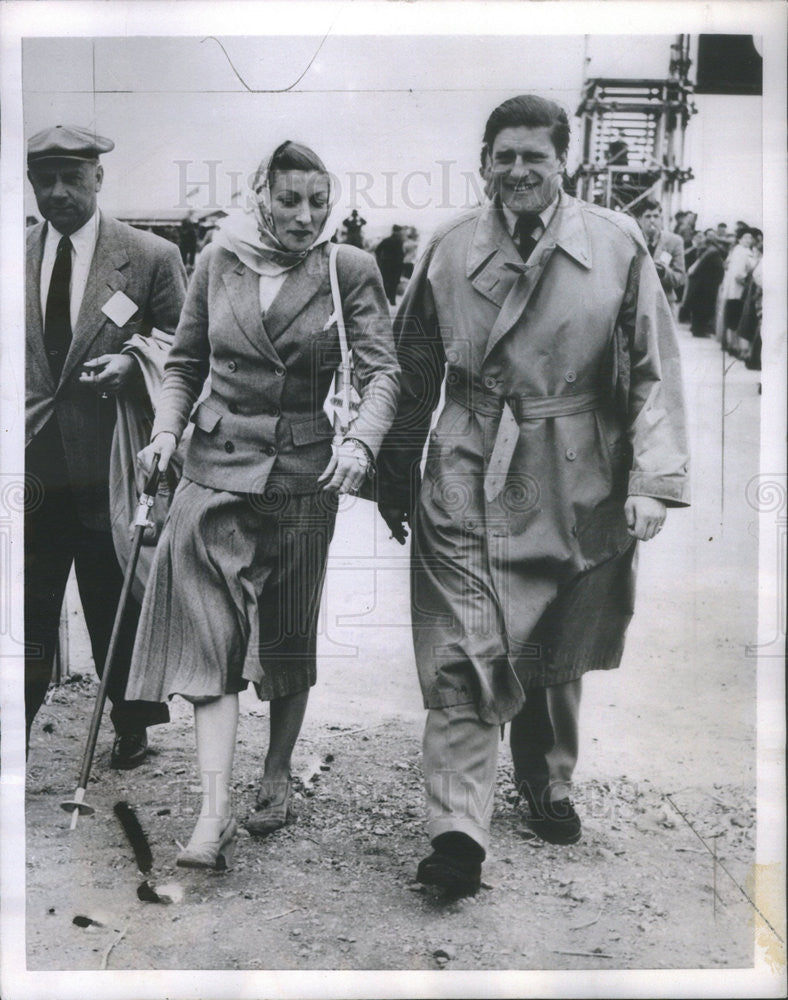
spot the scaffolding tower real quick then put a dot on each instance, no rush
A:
(633, 138)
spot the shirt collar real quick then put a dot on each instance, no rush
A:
(545, 215)
(83, 240)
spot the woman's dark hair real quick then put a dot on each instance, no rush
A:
(292, 156)
(532, 112)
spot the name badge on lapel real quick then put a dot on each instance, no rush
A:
(119, 308)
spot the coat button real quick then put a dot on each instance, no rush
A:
(229, 447)
(279, 371)
(274, 411)
(490, 382)
(270, 450)
(570, 376)
(571, 454)
(232, 407)
(232, 365)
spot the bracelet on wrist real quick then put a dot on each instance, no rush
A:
(361, 453)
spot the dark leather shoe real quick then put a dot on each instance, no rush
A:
(454, 865)
(129, 750)
(556, 822)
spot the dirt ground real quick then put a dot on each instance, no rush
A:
(662, 878)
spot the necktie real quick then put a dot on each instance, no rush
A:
(523, 238)
(57, 320)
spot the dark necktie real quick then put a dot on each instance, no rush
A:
(57, 320)
(523, 233)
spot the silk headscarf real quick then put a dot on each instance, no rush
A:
(250, 234)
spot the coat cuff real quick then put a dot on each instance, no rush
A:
(674, 492)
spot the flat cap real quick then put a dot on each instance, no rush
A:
(66, 142)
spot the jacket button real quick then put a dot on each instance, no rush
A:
(229, 447)
(571, 455)
(232, 365)
(490, 382)
(570, 376)
(279, 370)
(274, 411)
(270, 450)
(232, 407)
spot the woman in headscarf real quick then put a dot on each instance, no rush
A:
(234, 591)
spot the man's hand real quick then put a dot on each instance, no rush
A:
(109, 374)
(645, 516)
(395, 517)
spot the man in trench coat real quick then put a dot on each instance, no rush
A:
(561, 442)
(93, 285)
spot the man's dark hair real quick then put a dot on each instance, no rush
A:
(647, 205)
(532, 112)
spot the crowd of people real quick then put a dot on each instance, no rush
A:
(723, 290)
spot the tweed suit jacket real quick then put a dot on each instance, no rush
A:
(259, 422)
(147, 269)
(672, 246)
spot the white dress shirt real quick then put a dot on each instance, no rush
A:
(269, 286)
(83, 245)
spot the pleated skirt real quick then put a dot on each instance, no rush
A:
(233, 595)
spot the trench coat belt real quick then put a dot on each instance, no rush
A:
(513, 409)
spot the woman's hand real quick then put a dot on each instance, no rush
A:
(163, 446)
(347, 469)
(645, 516)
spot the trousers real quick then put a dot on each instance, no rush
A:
(460, 757)
(55, 539)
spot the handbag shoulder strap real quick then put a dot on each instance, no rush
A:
(337, 299)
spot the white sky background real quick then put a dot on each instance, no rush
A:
(379, 109)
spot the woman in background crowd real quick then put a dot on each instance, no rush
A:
(738, 266)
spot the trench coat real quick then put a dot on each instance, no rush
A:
(260, 424)
(149, 271)
(571, 362)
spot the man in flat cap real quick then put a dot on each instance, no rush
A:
(93, 284)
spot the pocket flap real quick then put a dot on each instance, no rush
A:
(205, 417)
(316, 428)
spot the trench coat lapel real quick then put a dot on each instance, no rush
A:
(493, 260)
(106, 276)
(298, 289)
(243, 291)
(566, 230)
(38, 368)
